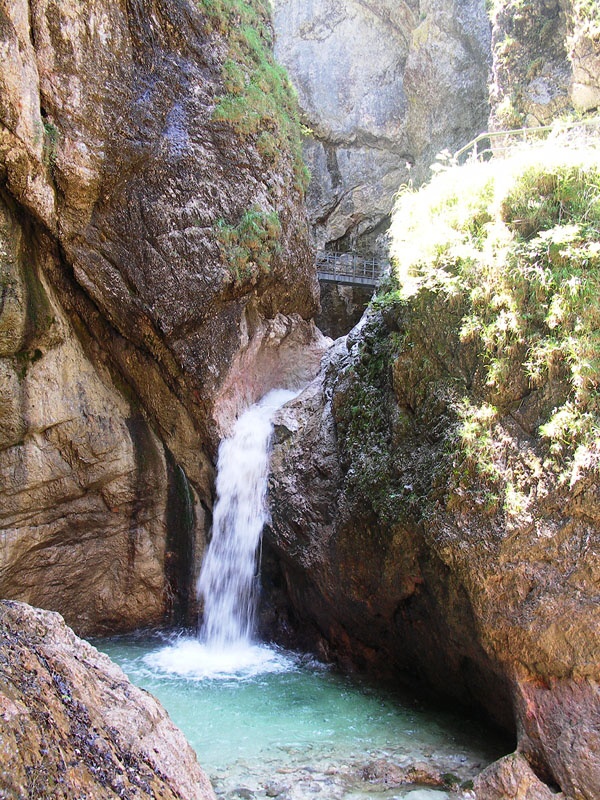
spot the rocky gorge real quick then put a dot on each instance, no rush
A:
(439, 520)
(157, 275)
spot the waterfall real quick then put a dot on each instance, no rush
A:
(228, 579)
(227, 582)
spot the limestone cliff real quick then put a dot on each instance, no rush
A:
(434, 494)
(72, 725)
(384, 87)
(546, 60)
(155, 275)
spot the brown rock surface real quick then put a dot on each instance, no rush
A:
(388, 566)
(511, 778)
(72, 725)
(342, 306)
(84, 480)
(124, 320)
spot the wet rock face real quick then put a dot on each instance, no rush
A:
(125, 318)
(367, 591)
(382, 565)
(72, 725)
(341, 307)
(384, 86)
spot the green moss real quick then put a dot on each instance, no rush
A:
(365, 428)
(259, 100)
(250, 245)
(50, 145)
(587, 14)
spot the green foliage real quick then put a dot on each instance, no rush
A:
(365, 429)
(515, 244)
(259, 100)
(50, 145)
(557, 194)
(587, 13)
(249, 246)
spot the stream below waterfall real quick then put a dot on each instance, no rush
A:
(285, 726)
(270, 723)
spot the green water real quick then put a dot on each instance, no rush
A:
(293, 729)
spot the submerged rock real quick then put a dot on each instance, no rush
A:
(72, 725)
(390, 774)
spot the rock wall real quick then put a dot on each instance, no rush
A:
(584, 52)
(384, 87)
(72, 725)
(154, 263)
(546, 61)
(358, 571)
(434, 493)
(342, 306)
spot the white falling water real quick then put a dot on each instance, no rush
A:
(228, 579)
(227, 582)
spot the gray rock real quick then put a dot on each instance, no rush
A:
(72, 725)
(275, 789)
(383, 87)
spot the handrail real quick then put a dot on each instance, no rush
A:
(350, 267)
(523, 132)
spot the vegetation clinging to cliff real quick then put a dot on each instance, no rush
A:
(489, 342)
(253, 241)
(587, 12)
(259, 99)
(518, 241)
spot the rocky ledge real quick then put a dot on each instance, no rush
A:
(72, 725)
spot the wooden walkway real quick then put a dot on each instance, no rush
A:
(350, 268)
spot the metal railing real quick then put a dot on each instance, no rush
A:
(351, 268)
(494, 143)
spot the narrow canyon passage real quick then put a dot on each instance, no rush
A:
(268, 722)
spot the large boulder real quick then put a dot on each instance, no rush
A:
(72, 725)
(511, 778)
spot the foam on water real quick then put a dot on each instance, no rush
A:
(195, 660)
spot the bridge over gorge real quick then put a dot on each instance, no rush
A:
(350, 268)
